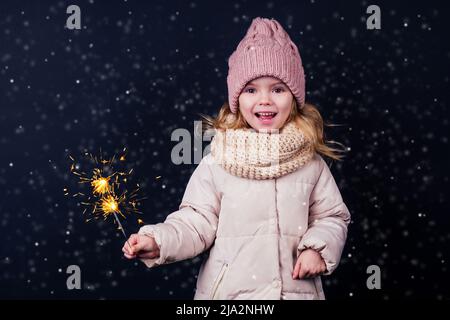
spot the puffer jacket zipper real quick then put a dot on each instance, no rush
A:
(278, 230)
(218, 281)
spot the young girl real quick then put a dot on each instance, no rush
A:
(263, 201)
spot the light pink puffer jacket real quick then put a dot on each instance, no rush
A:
(256, 230)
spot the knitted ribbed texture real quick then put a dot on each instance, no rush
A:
(266, 50)
(250, 154)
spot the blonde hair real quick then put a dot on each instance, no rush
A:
(307, 118)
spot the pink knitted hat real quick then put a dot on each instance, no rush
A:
(266, 50)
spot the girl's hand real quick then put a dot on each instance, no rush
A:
(140, 246)
(309, 264)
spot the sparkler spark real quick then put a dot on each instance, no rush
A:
(109, 205)
(101, 185)
(108, 195)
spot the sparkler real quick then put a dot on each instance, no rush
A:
(108, 196)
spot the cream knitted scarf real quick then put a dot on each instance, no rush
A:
(260, 155)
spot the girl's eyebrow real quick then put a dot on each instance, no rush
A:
(252, 84)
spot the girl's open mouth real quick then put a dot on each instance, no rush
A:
(266, 117)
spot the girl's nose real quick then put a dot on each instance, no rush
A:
(265, 99)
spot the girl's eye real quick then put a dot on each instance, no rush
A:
(252, 90)
(279, 90)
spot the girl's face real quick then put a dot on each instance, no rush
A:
(266, 103)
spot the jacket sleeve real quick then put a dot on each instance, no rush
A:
(328, 220)
(190, 230)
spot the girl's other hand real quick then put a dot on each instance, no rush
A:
(309, 264)
(140, 246)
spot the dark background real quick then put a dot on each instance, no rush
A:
(140, 69)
